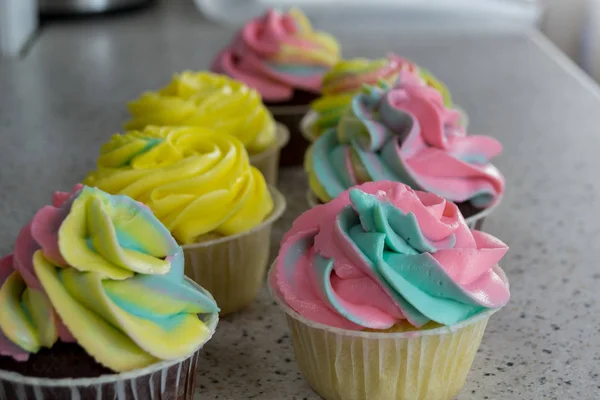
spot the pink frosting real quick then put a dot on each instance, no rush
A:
(364, 300)
(256, 52)
(40, 233)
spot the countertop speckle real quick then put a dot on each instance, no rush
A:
(67, 95)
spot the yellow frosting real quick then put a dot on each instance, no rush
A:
(198, 182)
(208, 100)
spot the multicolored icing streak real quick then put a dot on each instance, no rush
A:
(277, 54)
(348, 77)
(406, 134)
(100, 270)
(381, 253)
(198, 182)
(207, 100)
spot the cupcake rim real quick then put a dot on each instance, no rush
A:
(289, 311)
(282, 137)
(211, 322)
(313, 201)
(279, 206)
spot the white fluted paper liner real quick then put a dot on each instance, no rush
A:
(233, 268)
(173, 380)
(427, 364)
(474, 221)
(307, 125)
(267, 161)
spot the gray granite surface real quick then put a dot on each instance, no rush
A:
(67, 96)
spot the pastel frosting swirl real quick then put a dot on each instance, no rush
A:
(207, 100)
(100, 270)
(348, 77)
(277, 54)
(198, 182)
(406, 134)
(382, 253)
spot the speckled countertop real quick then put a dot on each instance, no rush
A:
(64, 98)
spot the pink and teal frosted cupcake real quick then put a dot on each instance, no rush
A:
(95, 305)
(405, 133)
(285, 59)
(387, 293)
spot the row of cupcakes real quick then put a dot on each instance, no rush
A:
(385, 283)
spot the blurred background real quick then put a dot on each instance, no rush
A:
(573, 25)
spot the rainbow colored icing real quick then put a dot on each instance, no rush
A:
(277, 54)
(381, 253)
(207, 100)
(405, 133)
(197, 182)
(348, 77)
(100, 270)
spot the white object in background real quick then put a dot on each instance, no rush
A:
(377, 14)
(590, 40)
(18, 22)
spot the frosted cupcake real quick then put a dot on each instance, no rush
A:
(347, 78)
(217, 102)
(285, 59)
(95, 305)
(200, 184)
(406, 134)
(387, 294)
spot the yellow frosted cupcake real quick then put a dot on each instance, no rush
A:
(215, 101)
(387, 294)
(200, 184)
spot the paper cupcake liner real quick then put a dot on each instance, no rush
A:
(307, 126)
(356, 365)
(173, 380)
(233, 268)
(473, 222)
(267, 161)
(290, 116)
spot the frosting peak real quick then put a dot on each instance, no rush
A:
(103, 271)
(410, 253)
(405, 133)
(278, 53)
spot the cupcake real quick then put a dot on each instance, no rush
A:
(347, 78)
(217, 102)
(387, 294)
(200, 184)
(95, 305)
(406, 134)
(284, 58)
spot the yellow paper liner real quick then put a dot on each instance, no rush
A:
(428, 364)
(233, 268)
